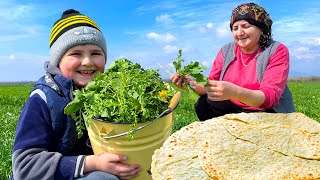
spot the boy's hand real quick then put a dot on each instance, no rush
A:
(111, 163)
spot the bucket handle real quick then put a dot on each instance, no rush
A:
(173, 104)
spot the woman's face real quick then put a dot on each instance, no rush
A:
(246, 35)
(82, 62)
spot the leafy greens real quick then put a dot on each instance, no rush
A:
(193, 69)
(124, 93)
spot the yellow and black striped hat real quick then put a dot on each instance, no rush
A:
(73, 29)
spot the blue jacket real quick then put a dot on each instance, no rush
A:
(46, 144)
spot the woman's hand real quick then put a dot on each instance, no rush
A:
(182, 81)
(220, 90)
(111, 163)
(223, 90)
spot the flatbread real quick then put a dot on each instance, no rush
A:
(277, 137)
(242, 146)
(180, 151)
(297, 120)
(226, 157)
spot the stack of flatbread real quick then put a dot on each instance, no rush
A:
(242, 146)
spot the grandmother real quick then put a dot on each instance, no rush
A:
(247, 75)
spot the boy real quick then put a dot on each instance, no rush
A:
(46, 144)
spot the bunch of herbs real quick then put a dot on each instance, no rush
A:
(193, 69)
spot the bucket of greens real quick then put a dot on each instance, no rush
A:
(127, 110)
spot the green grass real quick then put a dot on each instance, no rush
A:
(306, 98)
(13, 97)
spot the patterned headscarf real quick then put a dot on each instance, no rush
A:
(251, 11)
(257, 16)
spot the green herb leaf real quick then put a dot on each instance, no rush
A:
(178, 61)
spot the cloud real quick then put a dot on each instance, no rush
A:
(313, 41)
(170, 49)
(302, 49)
(223, 30)
(22, 20)
(317, 41)
(191, 25)
(209, 25)
(23, 58)
(164, 19)
(10, 11)
(167, 37)
(130, 32)
(304, 52)
(300, 27)
(300, 34)
(12, 57)
(290, 25)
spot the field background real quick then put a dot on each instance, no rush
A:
(13, 96)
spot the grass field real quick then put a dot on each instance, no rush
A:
(12, 98)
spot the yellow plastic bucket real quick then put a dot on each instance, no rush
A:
(149, 136)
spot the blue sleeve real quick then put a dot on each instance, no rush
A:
(34, 126)
(33, 152)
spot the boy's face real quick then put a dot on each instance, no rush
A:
(82, 62)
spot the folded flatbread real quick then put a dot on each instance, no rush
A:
(242, 146)
(280, 138)
(180, 151)
(232, 158)
(298, 120)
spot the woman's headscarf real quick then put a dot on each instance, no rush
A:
(257, 16)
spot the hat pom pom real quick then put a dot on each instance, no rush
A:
(70, 11)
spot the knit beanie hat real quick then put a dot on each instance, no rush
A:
(253, 13)
(73, 29)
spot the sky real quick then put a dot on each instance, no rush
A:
(151, 32)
